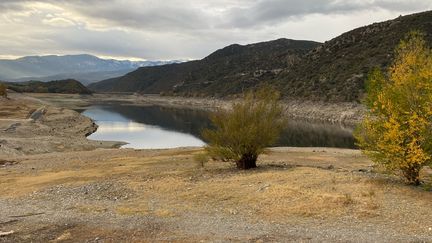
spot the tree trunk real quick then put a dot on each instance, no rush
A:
(247, 161)
(412, 174)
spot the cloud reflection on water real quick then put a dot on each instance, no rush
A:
(137, 135)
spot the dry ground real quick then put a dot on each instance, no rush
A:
(123, 195)
(31, 126)
(314, 194)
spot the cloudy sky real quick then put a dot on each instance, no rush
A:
(178, 29)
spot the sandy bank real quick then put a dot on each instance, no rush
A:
(31, 126)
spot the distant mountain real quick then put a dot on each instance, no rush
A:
(86, 68)
(84, 78)
(333, 71)
(68, 86)
(226, 71)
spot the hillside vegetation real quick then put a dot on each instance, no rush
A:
(68, 86)
(333, 71)
(337, 70)
(227, 71)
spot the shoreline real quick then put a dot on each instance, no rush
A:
(31, 126)
(347, 114)
(53, 132)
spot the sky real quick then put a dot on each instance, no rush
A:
(179, 29)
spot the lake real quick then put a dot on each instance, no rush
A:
(154, 127)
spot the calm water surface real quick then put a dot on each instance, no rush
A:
(162, 127)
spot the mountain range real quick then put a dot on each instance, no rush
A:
(332, 71)
(83, 67)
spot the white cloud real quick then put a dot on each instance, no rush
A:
(58, 22)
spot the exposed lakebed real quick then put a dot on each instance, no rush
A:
(145, 127)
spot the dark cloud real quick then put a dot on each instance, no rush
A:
(148, 15)
(9, 5)
(273, 11)
(177, 29)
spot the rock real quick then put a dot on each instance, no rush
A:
(12, 128)
(38, 114)
(7, 163)
(6, 233)
(264, 187)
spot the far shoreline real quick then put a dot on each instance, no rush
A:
(343, 113)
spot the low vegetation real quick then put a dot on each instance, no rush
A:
(397, 132)
(3, 90)
(68, 86)
(243, 132)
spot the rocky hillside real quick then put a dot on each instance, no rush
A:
(68, 86)
(336, 70)
(226, 71)
(333, 71)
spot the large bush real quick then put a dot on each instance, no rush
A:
(243, 132)
(397, 130)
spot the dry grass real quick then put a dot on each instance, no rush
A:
(287, 185)
(274, 194)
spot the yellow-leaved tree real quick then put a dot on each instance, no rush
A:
(397, 129)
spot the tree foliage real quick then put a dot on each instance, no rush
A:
(243, 132)
(3, 90)
(396, 131)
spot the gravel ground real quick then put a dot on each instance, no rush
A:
(154, 195)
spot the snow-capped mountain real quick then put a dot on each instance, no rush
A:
(85, 68)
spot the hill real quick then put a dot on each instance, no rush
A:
(84, 78)
(332, 71)
(68, 86)
(337, 70)
(86, 68)
(226, 71)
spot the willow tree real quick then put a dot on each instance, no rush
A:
(242, 133)
(397, 129)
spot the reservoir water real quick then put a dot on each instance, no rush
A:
(145, 127)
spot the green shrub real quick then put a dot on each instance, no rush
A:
(242, 133)
(201, 159)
